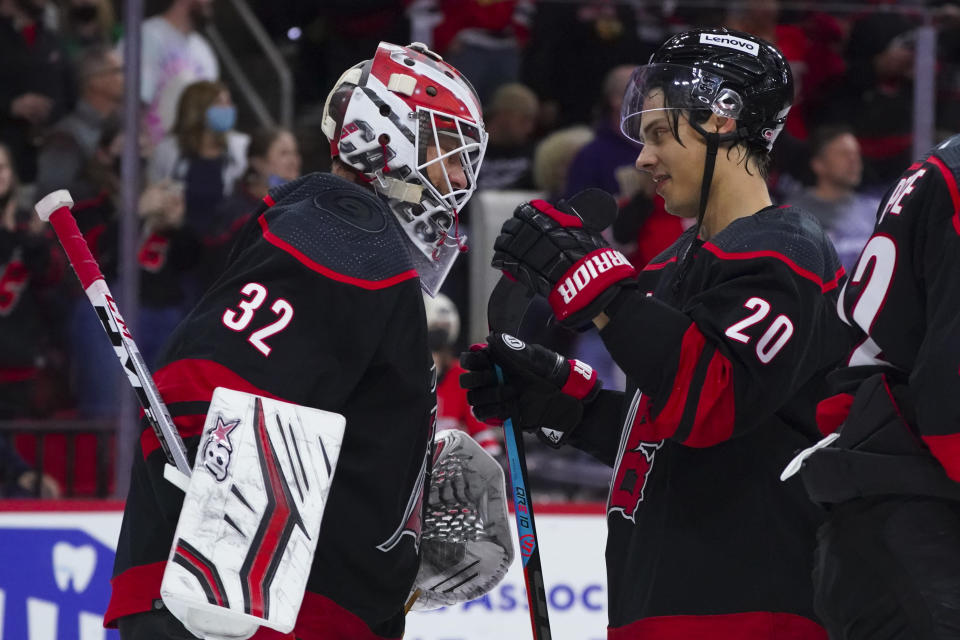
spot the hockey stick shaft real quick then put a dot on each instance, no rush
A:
(526, 530)
(56, 208)
(505, 312)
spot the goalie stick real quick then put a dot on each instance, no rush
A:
(506, 308)
(55, 208)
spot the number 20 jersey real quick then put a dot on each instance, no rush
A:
(725, 351)
(903, 295)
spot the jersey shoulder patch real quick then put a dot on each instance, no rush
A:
(787, 234)
(340, 230)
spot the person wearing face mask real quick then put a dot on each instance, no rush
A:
(273, 159)
(203, 152)
(36, 86)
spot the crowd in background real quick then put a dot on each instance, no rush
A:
(551, 76)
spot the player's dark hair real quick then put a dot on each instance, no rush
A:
(754, 153)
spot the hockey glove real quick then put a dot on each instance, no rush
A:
(555, 255)
(541, 390)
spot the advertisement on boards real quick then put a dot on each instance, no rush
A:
(55, 569)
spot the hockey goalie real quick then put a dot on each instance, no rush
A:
(296, 518)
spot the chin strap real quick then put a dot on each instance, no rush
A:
(714, 140)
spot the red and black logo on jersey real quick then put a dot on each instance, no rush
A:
(633, 465)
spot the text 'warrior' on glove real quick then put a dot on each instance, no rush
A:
(541, 390)
(558, 256)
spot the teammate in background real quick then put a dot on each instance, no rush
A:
(320, 305)
(888, 558)
(724, 338)
(453, 412)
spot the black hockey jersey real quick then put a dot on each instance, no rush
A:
(724, 347)
(318, 306)
(903, 298)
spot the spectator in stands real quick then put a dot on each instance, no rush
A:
(273, 158)
(511, 118)
(453, 412)
(88, 23)
(175, 55)
(18, 480)
(167, 253)
(876, 97)
(846, 215)
(572, 46)
(36, 87)
(596, 165)
(203, 152)
(72, 141)
(483, 40)
(552, 157)
(29, 269)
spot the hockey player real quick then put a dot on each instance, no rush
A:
(888, 557)
(724, 338)
(320, 305)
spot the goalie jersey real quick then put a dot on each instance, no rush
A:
(319, 305)
(724, 345)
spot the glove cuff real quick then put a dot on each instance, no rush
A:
(581, 381)
(587, 279)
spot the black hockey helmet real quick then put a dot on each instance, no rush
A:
(730, 73)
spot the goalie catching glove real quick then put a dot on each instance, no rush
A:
(541, 390)
(466, 547)
(555, 255)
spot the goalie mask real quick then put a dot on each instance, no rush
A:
(412, 127)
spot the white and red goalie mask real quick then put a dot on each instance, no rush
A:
(401, 120)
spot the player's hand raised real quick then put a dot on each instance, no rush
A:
(562, 258)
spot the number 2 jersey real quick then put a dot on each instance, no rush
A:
(725, 345)
(903, 298)
(319, 305)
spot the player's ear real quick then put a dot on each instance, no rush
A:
(721, 124)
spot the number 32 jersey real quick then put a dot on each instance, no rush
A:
(725, 347)
(319, 305)
(903, 296)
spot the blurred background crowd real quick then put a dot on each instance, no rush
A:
(231, 97)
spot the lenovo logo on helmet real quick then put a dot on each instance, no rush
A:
(730, 42)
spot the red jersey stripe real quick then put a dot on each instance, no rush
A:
(667, 421)
(750, 255)
(947, 450)
(714, 420)
(330, 273)
(752, 625)
(134, 591)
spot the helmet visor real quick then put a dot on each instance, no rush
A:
(669, 87)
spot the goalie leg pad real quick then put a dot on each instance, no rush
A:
(251, 516)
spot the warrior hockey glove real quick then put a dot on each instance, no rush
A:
(555, 255)
(541, 390)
